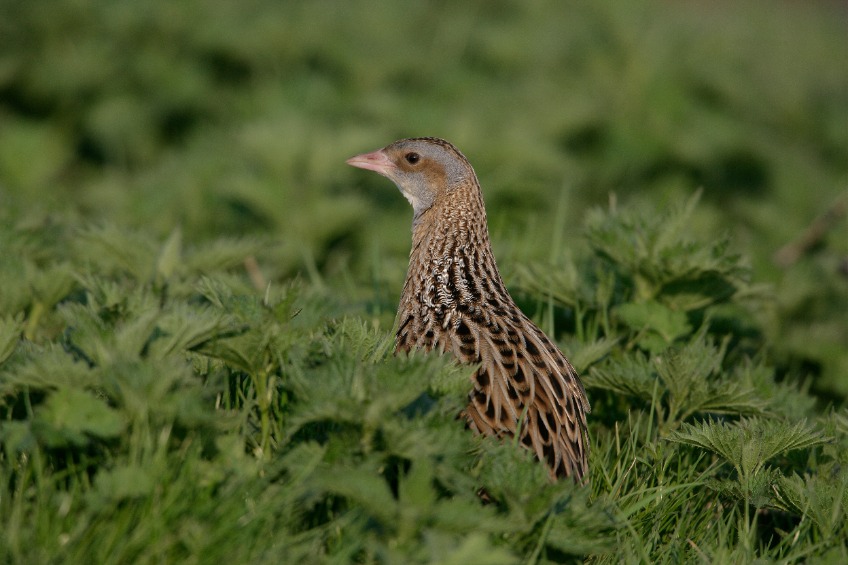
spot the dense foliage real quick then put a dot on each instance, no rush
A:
(196, 295)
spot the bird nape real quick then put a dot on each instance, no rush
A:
(454, 300)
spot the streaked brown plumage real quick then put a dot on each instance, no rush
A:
(454, 300)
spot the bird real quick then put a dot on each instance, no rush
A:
(455, 301)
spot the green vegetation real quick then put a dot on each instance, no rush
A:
(196, 294)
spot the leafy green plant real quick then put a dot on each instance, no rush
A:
(196, 296)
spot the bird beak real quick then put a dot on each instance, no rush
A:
(375, 161)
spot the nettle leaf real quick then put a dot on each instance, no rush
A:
(17, 294)
(413, 436)
(823, 499)
(114, 250)
(460, 515)
(139, 326)
(102, 293)
(51, 285)
(301, 461)
(102, 334)
(416, 487)
(451, 379)
(216, 291)
(686, 380)
(185, 327)
(632, 375)
(757, 490)
(840, 421)
(358, 373)
(473, 549)
(10, 334)
(45, 368)
(557, 515)
(836, 426)
(157, 391)
(256, 332)
(688, 374)
(361, 341)
(584, 355)
(656, 320)
(73, 416)
(703, 288)
(580, 529)
(17, 437)
(122, 483)
(560, 282)
(749, 443)
(513, 476)
(363, 486)
(356, 392)
(132, 337)
(221, 254)
(758, 389)
(14, 270)
(170, 257)
(654, 253)
(727, 397)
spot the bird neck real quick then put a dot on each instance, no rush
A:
(455, 223)
(451, 266)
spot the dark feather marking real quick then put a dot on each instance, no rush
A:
(557, 388)
(543, 431)
(519, 375)
(483, 378)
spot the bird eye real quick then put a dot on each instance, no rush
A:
(412, 158)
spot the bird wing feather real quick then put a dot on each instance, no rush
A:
(529, 388)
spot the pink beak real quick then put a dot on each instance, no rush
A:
(375, 161)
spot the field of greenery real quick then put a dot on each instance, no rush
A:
(197, 294)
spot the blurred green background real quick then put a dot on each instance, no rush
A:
(235, 118)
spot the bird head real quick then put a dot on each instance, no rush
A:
(425, 169)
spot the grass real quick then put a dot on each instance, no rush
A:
(196, 296)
